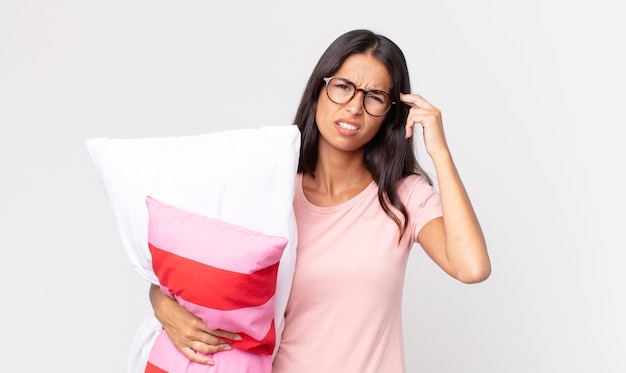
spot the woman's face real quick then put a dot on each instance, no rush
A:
(348, 127)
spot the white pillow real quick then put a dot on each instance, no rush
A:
(243, 176)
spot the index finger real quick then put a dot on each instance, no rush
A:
(414, 100)
(224, 334)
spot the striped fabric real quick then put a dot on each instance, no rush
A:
(225, 275)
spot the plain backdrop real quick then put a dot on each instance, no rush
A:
(532, 95)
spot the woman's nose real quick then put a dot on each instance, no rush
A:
(355, 105)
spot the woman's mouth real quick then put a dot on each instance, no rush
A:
(347, 126)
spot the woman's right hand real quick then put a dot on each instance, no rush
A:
(186, 331)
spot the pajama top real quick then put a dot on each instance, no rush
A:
(345, 308)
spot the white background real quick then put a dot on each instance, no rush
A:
(533, 100)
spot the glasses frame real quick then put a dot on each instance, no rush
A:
(356, 89)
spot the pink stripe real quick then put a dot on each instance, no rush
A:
(165, 356)
(211, 241)
(254, 321)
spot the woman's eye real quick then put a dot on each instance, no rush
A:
(375, 97)
(343, 87)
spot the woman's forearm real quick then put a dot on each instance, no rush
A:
(466, 248)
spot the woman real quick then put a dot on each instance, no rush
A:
(361, 203)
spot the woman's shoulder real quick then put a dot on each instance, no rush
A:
(413, 181)
(421, 199)
(416, 189)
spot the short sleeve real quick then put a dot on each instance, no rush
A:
(422, 202)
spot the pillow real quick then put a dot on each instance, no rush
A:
(224, 274)
(243, 177)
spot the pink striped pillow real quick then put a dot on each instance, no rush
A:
(224, 274)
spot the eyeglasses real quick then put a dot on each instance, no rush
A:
(340, 90)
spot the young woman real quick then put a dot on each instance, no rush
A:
(361, 203)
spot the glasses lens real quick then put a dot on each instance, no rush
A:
(340, 90)
(376, 102)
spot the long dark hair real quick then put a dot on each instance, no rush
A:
(389, 156)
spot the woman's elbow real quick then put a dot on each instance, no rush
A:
(475, 273)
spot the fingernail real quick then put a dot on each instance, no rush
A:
(238, 338)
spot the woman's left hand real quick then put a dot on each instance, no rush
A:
(429, 117)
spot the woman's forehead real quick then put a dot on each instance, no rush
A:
(365, 71)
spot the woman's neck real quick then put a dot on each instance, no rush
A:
(337, 178)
